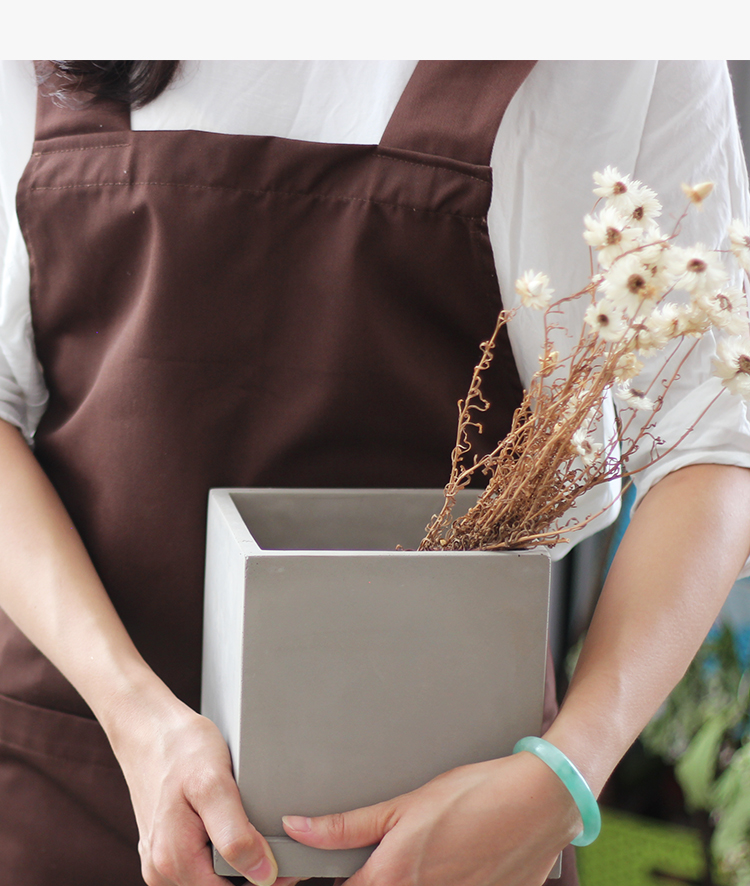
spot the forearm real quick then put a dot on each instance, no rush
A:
(176, 763)
(50, 589)
(679, 558)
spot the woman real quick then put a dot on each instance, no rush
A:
(226, 289)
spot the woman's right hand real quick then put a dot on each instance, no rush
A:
(179, 773)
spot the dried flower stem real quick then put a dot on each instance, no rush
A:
(550, 456)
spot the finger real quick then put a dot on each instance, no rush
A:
(151, 875)
(181, 856)
(343, 830)
(217, 802)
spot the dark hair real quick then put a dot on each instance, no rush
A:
(134, 82)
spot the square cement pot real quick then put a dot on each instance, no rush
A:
(342, 671)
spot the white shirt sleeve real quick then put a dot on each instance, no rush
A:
(22, 392)
(691, 136)
(664, 124)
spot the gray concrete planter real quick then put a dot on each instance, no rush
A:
(343, 672)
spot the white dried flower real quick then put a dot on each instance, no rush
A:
(636, 315)
(726, 310)
(732, 364)
(634, 397)
(627, 366)
(654, 255)
(606, 320)
(638, 337)
(616, 189)
(631, 285)
(610, 234)
(646, 207)
(697, 270)
(534, 290)
(589, 451)
(655, 258)
(694, 321)
(698, 193)
(665, 324)
(739, 243)
(548, 362)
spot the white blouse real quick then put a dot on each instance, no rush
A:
(664, 123)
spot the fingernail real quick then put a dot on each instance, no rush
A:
(298, 823)
(262, 875)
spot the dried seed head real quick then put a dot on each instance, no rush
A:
(698, 193)
(613, 236)
(636, 284)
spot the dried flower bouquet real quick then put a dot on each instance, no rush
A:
(648, 299)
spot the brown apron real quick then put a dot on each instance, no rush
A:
(218, 310)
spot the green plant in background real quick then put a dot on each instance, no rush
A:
(703, 729)
(638, 851)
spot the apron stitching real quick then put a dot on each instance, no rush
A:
(430, 166)
(32, 263)
(379, 156)
(76, 150)
(258, 193)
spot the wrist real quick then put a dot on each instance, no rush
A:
(573, 781)
(589, 745)
(135, 706)
(550, 809)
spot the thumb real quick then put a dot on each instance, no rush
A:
(342, 830)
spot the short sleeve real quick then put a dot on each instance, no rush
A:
(22, 391)
(691, 135)
(663, 123)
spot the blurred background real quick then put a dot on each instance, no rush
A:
(677, 810)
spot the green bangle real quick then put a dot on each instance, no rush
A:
(573, 781)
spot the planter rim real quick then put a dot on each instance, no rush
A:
(227, 499)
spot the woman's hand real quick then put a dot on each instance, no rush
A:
(179, 773)
(500, 822)
(175, 762)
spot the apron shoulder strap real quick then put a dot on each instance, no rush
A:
(454, 108)
(84, 117)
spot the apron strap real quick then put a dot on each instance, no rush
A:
(454, 108)
(81, 117)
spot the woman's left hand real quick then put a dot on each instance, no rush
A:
(500, 822)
